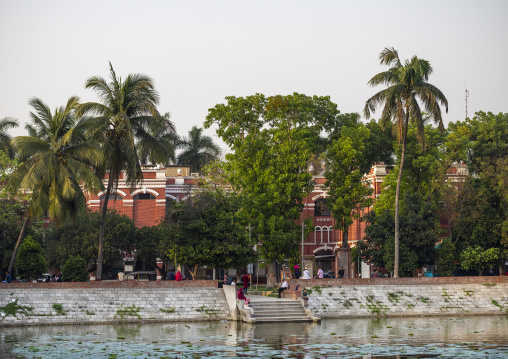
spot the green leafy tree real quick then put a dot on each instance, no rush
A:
(425, 170)
(5, 139)
(477, 208)
(154, 243)
(346, 164)
(407, 87)
(446, 258)
(30, 262)
(272, 140)
(160, 144)
(79, 238)
(197, 150)
(124, 113)
(58, 162)
(419, 234)
(209, 231)
(75, 270)
(478, 258)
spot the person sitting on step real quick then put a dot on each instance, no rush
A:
(305, 298)
(283, 287)
(246, 306)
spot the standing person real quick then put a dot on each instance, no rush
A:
(283, 287)
(320, 273)
(170, 275)
(226, 278)
(245, 280)
(178, 276)
(297, 271)
(121, 276)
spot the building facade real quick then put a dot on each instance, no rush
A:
(147, 203)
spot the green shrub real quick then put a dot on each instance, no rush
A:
(29, 261)
(446, 258)
(74, 270)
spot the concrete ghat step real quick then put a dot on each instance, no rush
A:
(285, 311)
(274, 307)
(279, 315)
(282, 319)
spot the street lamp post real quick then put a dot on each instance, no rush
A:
(303, 232)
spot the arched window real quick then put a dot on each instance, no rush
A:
(144, 196)
(320, 208)
(112, 197)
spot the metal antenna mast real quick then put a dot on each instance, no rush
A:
(467, 95)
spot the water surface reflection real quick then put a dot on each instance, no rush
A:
(478, 337)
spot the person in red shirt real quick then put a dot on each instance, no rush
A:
(245, 280)
(178, 276)
(241, 296)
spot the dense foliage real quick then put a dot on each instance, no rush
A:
(30, 262)
(79, 238)
(75, 270)
(209, 232)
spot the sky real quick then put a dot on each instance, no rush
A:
(199, 52)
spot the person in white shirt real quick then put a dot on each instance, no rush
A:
(121, 276)
(320, 273)
(283, 287)
(246, 306)
(306, 274)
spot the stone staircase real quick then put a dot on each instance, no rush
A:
(270, 309)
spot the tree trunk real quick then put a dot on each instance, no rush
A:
(104, 211)
(397, 198)
(18, 243)
(271, 280)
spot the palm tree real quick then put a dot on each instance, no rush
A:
(159, 145)
(58, 161)
(198, 150)
(125, 111)
(5, 139)
(407, 87)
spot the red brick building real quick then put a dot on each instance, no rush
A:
(146, 205)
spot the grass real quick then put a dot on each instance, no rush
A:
(58, 308)
(424, 300)
(168, 310)
(128, 311)
(393, 297)
(14, 308)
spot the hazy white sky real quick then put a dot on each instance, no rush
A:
(199, 52)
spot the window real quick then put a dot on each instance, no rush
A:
(320, 208)
(112, 197)
(144, 196)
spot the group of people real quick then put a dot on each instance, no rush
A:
(171, 275)
(320, 273)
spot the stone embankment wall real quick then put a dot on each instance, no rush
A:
(108, 302)
(42, 304)
(419, 296)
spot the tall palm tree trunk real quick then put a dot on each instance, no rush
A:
(397, 197)
(21, 234)
(104, 210)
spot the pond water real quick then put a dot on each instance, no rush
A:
(425, 337)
